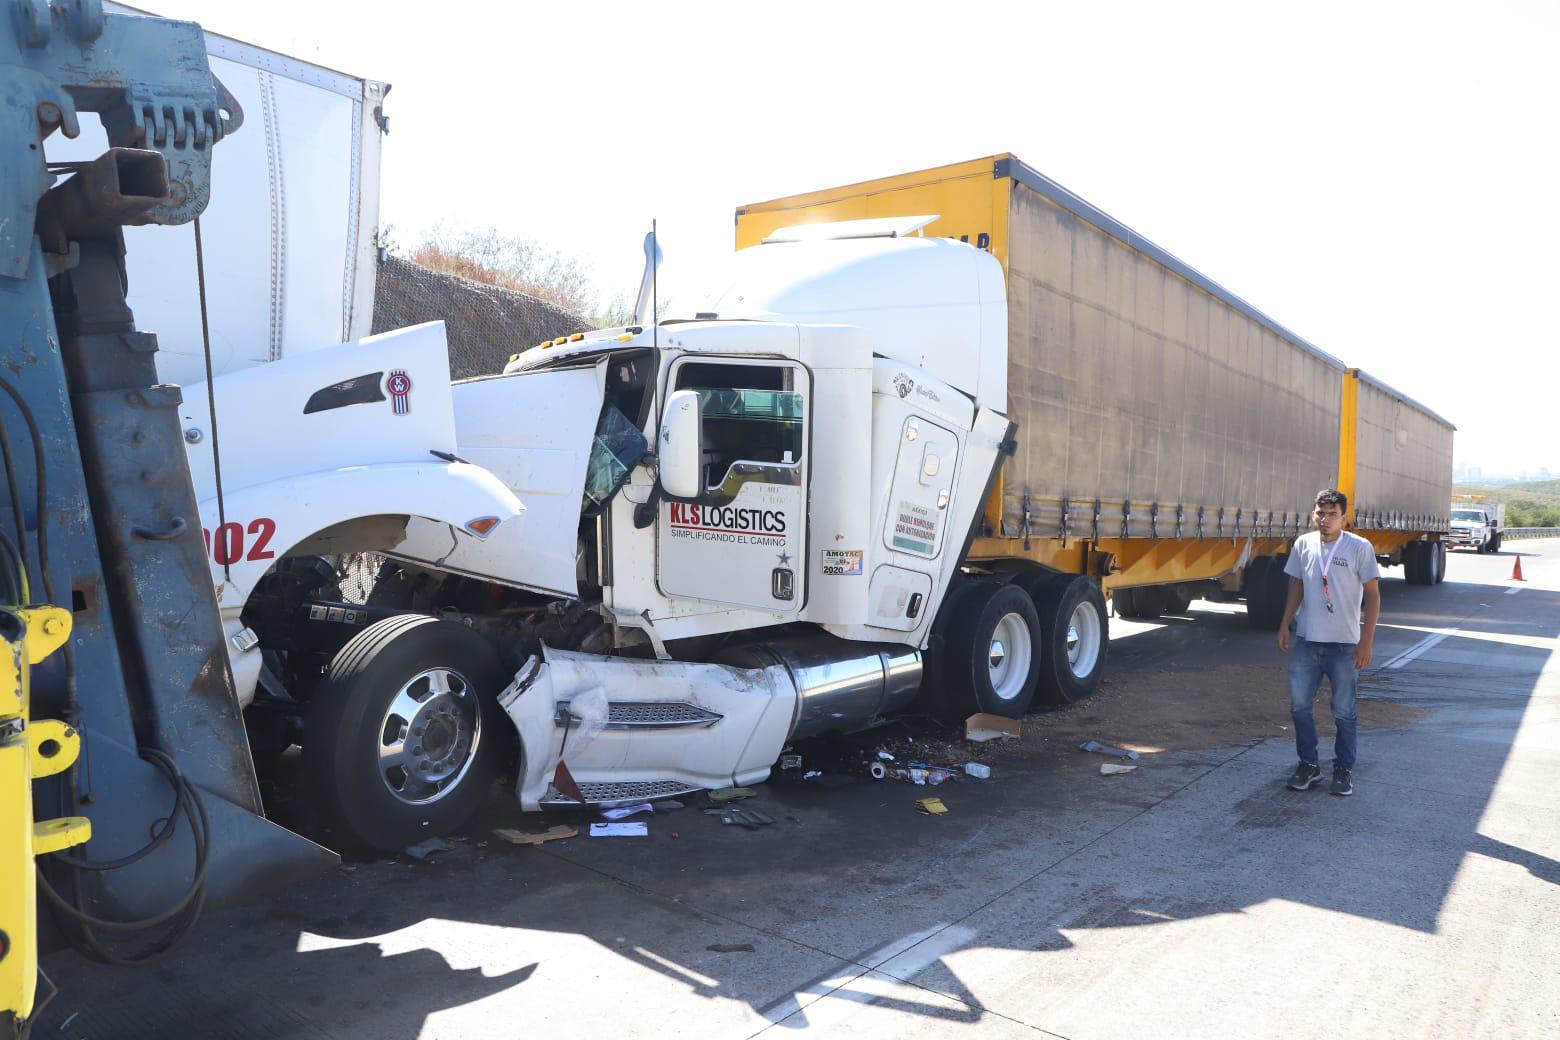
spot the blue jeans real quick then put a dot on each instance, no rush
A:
(1308, 662)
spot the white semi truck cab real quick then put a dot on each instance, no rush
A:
(736, 528)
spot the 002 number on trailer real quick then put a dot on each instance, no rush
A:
(229, 544)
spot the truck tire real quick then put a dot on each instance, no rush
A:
(1440, 562)
(1416, 563)
(1139, 604)
(1267, 590)
(404, 736)
(1074, 638)
(1495, 543)
(992, 652)
(1177, 599)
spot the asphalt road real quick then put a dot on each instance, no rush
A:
(1195, 897)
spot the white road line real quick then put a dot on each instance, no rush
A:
(1420, 647)
(1513, 592)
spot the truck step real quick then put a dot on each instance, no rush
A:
(620, 792)
(646, 715)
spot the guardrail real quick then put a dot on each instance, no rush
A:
(1531, 532)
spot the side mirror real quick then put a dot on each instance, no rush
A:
(682, 445)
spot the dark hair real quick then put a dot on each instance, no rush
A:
(1333, 497)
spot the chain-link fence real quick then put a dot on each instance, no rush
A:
(484, 323)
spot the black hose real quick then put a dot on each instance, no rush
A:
(15, 574)
(190, 904)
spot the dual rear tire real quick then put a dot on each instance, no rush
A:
(1266, 587)
(1424, 563)
(1151, 601)
(1003, 645)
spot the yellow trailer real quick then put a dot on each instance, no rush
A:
(1169, 432)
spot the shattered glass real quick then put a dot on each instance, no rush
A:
(616, 450)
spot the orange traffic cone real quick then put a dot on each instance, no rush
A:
(1516, 570)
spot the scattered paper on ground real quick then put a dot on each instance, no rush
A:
(631, 829)
(622, 812)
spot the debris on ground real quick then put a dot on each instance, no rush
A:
(747, 817)
(884, 756)
(1107, 749)
(931, 806)
(667, 805)
(730, 948)
(629, 829)
(979, 770)
(1113, 769)
(877, 770)
(922, 773)
(555, 833)
(423, 849)
(983, 726)
(812, 774)
(622, 812)
(790, 762)
(731, 794)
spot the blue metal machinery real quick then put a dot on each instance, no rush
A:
(96, 504)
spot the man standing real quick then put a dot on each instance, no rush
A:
(1330, 573)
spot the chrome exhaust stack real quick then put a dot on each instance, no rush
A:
(841, 686)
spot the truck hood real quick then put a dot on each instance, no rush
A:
(533, 430)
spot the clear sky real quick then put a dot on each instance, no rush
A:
(1382, 178)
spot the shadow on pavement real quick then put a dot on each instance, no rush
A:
(754, 925)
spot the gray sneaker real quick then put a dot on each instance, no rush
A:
(1343, 781)
(1306, 776)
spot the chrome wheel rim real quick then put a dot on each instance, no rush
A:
(1083, 639)
(429, 736)
(1009, 656)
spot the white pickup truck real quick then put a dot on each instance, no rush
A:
(1477, 527)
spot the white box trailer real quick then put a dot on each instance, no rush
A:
(290, 235)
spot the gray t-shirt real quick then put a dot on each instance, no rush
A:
(1353, 564)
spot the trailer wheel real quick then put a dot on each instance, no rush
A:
(405, 735)
(1495, 543)
(1267, 591)
(993, 651)
(1138, 604)
(1440, 562)
(1074, 638)
(1177, 599)
(1416, 563)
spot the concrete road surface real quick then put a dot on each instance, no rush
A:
(1195, 897)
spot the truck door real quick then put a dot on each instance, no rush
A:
(743, 541)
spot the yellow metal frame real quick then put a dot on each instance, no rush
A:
(28, 750)
(1348, 437)
(1122, 563)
